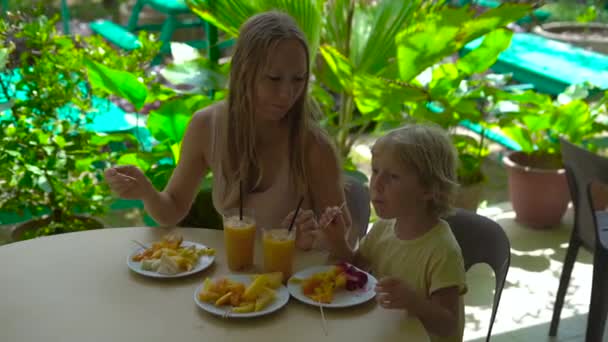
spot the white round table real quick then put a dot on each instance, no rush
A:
(77, 287)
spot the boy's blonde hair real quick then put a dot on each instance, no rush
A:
(428, 150)
(258, 36)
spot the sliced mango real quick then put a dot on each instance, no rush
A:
(224, 299)
(236, 288)
(208, 296)
(235, 298)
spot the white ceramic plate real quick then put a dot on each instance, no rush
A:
(224, 311)
(203, 263)
(342, 298)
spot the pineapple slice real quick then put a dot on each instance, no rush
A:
(245, 307)
(275, 279)
(265, 298)
(256, 287)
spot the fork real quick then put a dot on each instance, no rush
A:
(323, 320)
(227, 313)
(328, 222)
(140, 244)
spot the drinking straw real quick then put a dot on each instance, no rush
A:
(293, 220)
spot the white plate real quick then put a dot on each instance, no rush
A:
(280, 301)
(342, 298)
(204, 261)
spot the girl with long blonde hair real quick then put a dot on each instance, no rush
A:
(262, 143)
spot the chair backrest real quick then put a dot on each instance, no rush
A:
(482, 240)
(582, 168)
(358, 203)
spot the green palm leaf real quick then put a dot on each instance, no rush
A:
(229, 15)
(376, 46)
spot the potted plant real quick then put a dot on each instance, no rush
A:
(52, 163)
(537, 183)
(583, 32)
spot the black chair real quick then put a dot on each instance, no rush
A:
(590, 231)
(482, 240)
(358, 203)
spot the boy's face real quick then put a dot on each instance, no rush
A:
(396, 190)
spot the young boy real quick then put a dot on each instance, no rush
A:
(411, 250)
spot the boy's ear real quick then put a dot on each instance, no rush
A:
(429, 194)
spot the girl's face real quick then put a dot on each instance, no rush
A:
(282, 82)
(396, 190)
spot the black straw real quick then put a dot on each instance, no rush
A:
(293, 220)
(241, 200)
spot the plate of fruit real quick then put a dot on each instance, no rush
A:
(332, 286)
(171, 258)
(242, 296)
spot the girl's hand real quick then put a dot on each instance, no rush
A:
(306, 225)
(128, 182)
(333, 227)
(393, 293)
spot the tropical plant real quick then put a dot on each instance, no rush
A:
(167, 124)
(365, 77)
(53, 161)
(428, 88)
(535, 121)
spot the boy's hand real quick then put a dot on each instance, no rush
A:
(333, 227)
(392, 293)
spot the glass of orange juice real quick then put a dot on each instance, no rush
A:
(279, 247)
(239, 238)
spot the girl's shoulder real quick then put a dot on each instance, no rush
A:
(208, 115)
(204, 124)
(320, 146)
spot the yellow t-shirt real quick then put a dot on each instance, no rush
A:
(427, 263)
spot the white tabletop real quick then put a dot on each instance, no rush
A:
(77, 287)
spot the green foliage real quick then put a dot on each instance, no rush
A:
(589, 15)
(229, 15)
(192, 75)
(53, 164)
(535, 121)
(372, 55)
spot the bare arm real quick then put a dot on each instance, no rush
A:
(172, 204)
(439, 314)
(327, 189)
(334, 228)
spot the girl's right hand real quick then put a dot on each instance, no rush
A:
(333, 227)
(128, 182)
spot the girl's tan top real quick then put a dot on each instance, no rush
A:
(270, 206)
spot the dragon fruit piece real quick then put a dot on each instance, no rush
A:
(355, 279)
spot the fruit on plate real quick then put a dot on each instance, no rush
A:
(273, 280)
(321, 286)
(242, 299)
(168, 256)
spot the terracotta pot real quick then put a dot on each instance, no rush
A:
(599, 195)
(592, 36)
(469, 196)
(538, 190)
(34, 224)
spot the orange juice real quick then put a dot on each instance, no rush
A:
(279, 246)
(239, 241)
